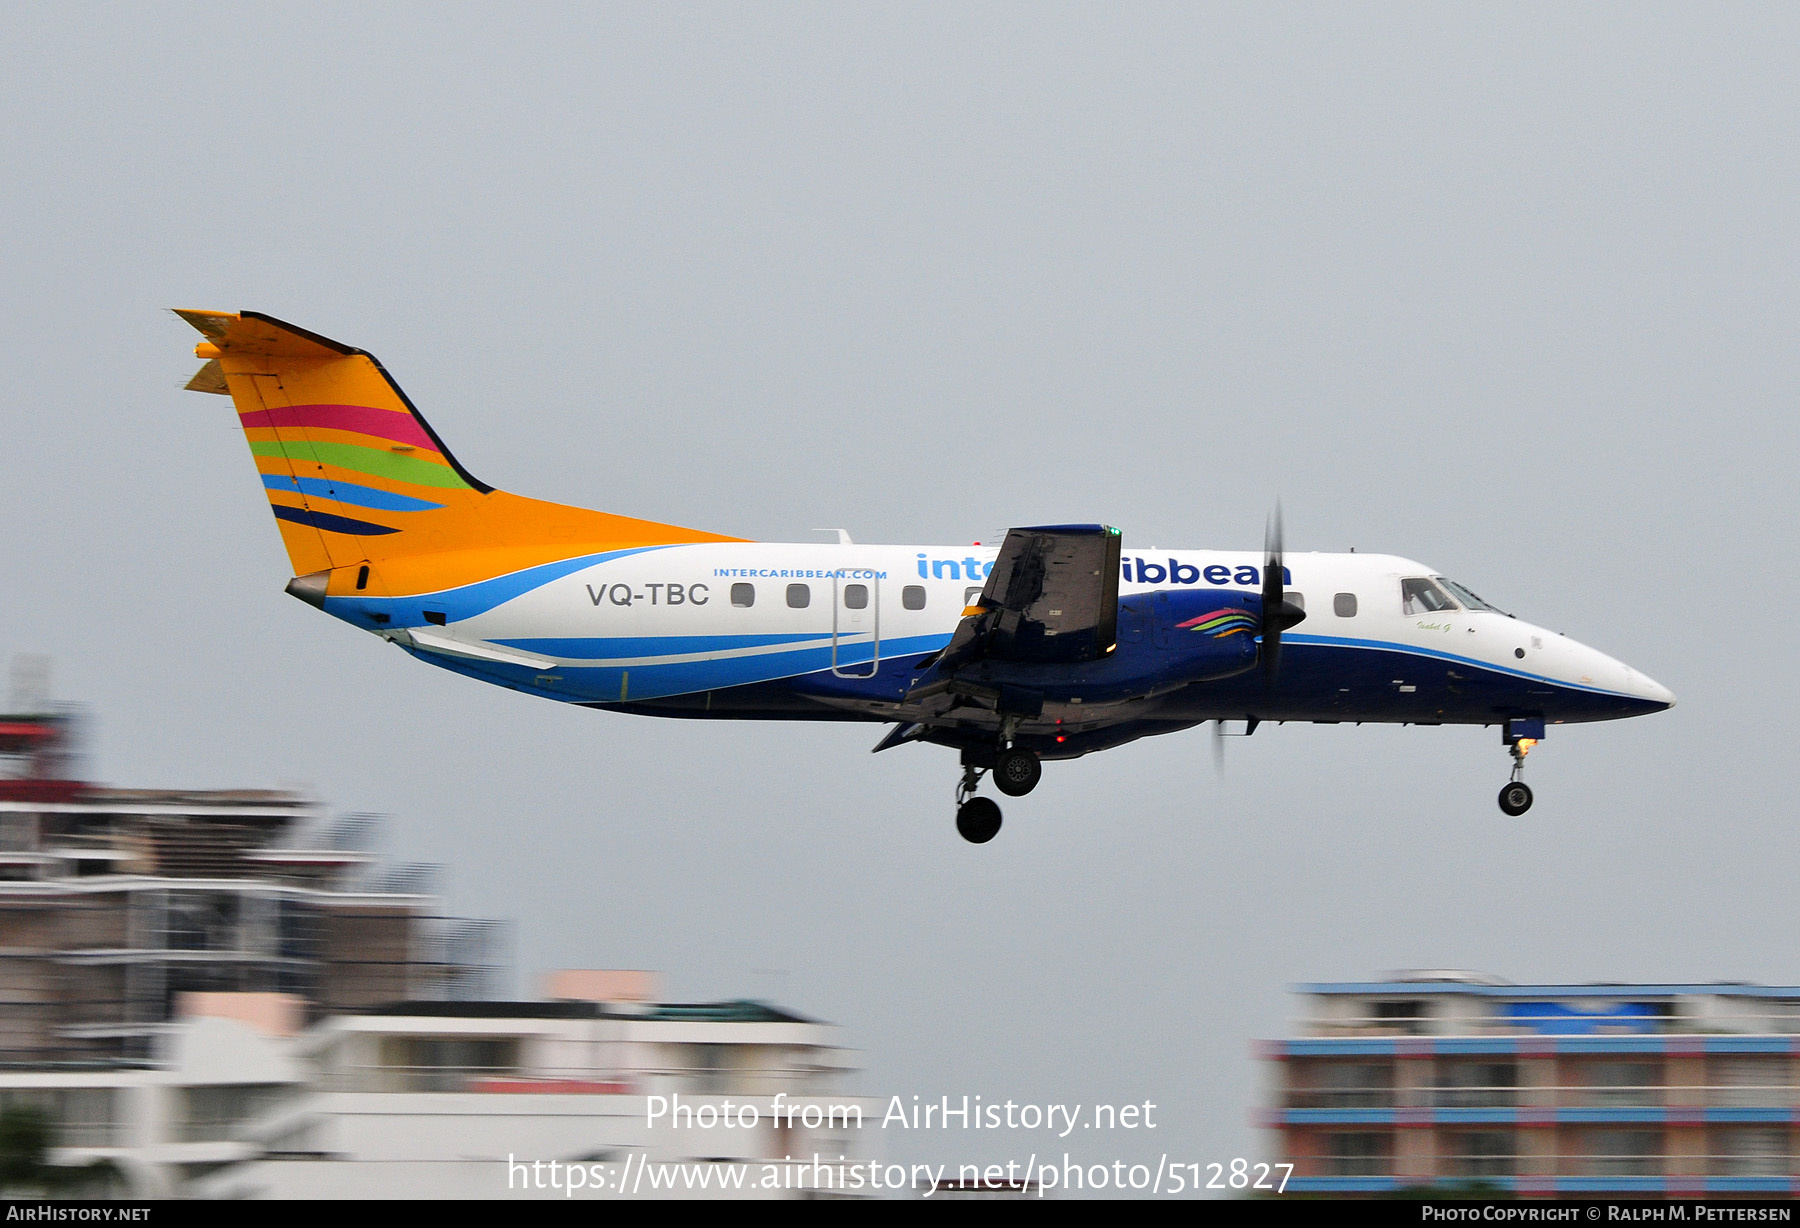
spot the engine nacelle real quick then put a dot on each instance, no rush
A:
(1166, 640)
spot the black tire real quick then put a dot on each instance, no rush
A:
(1017, 772)
(978, 820)
(1515, 799)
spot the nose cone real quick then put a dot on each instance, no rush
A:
(1617, 689)
(1643, 694)
(1650, 691)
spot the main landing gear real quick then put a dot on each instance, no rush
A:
(1016, 773)
(1515, 798)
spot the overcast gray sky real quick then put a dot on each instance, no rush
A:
(1508, 289)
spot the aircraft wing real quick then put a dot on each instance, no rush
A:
(1051, 596)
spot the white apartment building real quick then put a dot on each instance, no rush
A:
(467, 1100)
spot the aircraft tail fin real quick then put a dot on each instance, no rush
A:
(360, 483)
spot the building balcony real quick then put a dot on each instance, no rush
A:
(1542, 1106)
(740, 1081)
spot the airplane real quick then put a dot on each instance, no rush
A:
(1057, 643)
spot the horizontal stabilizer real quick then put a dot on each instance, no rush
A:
(440, 641)
(210, 378)
(213, 325)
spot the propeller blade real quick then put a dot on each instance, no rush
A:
(1272, 610)
(1278, 613)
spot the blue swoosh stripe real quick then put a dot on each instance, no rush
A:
(457, 604)
(348, 492)
(604, 684)
(598, 648)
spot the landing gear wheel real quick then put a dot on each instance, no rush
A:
(978, 820)
(1515, 798)
(1017, 772)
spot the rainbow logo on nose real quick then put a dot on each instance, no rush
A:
(1221, 623)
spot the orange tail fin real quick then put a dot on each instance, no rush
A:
(366, 495)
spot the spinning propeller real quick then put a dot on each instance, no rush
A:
(1278, 614)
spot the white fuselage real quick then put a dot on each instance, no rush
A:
(684, 619)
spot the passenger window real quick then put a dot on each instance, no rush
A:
(1344, 605)
(1297, 600)
(743, 596)
(856, 596)
(912, 597)
(799, 596)
(1420, 596)
(971, 596)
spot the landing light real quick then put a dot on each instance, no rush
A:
(1525, 745)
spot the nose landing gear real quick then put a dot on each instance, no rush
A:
(1515, 797)
(977, 818)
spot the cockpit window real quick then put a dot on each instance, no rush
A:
(1421, 596)
(1469, 600)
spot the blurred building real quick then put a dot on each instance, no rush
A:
(441, 1099)
(114, 902)
(227, 993)
(1431, 1078)
(444, 1099)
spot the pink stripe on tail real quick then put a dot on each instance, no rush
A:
(363, 419)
